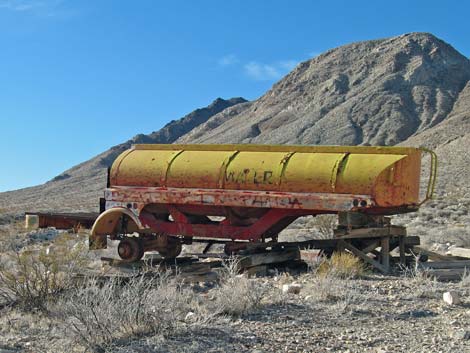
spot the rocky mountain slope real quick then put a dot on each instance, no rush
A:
(378, 92)
(80, 187)
(412, 89)
(450, 140)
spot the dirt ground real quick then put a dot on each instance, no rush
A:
(372, 314)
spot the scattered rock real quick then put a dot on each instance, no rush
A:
(461, 335)
(293, 288)
(44, 234)
(190, 317)
(415, 314)
(451, 298)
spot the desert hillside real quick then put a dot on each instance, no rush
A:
(412, 89)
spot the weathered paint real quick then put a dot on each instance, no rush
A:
(136, 198)
(60, 220)
(259, 189)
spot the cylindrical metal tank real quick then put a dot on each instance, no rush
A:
(390, 175)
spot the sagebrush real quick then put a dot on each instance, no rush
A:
(237, 294)
(30, 279)
(101, 314)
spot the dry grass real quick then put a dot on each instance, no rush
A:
(324, 288)
(30, 279)
(465, 281)
(425, 286)
(99, 315)
(341, 296)
(341, 265)
(237, 295)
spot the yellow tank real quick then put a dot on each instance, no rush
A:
(390, 175)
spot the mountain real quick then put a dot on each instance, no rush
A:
(411, 89)
(450, 140)
(378, 92)
(80, 187)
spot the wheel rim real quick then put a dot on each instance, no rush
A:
(130, 249)
(125, 250)
(171, 251)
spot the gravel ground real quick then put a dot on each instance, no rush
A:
(376, 314)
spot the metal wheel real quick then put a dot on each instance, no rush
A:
(130, 249)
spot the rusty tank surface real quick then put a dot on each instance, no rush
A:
(169, 194)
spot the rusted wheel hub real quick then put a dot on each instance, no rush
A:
(172, 250)
(130, 249)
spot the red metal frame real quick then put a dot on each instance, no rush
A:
(267, 212)
(64, 220)
(182, 226)
(277, 209)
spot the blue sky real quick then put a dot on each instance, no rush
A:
(79, 76)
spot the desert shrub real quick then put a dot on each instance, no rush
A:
(324, 288)
(10, 237)
(31, 279)
(237, 294)
(325, 225)
(342, 295)
(341, 265)
(465, 280)
(425, 285)
(99, 315)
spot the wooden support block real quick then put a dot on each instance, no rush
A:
(374, 245)
(460, 252)
(340, 246)
(385, 253)
(213, 262)
(447, 274)
(269, 258)
(410, 260)
(434, 255)
(370, 232)
(364, 257)
(401, 249)
(462, 264)
(255, 271)
(123, 264)
(323, 244)
(200, 277)
(195, 268)
(412, 240)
